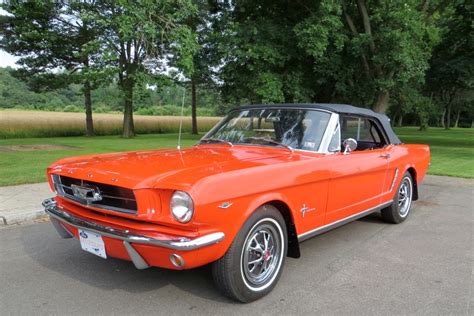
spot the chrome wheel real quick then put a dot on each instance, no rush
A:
(405, 193)
(252, 265)
(262, 254)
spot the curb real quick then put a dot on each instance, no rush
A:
(22, 203)
(21, 217)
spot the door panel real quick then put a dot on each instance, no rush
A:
(357, 182)
(309, 204)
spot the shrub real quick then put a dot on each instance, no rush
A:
(72, 108)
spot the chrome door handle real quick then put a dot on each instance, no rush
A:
(386, 156)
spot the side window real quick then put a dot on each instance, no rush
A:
(350, 127)
(363, 130)
(377, 137)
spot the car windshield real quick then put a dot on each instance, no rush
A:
(290, 128)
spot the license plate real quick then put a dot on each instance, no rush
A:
(92, 242)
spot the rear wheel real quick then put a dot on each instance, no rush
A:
(252, 265)
(400, 208)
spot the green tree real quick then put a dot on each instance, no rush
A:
(205, 56)
(451, 75)
(138, 37)
(261, 61)
(390, 44)
(323, 51)
(50, 36)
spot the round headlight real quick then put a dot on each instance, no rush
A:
(182, 206)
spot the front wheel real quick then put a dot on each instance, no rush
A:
(252, 265)
(400, 208)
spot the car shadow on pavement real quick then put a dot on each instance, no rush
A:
(65, 256)
(375, 218)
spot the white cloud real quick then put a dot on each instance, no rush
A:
(3, 12)
(7, 60)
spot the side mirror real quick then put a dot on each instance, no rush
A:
(349, 144)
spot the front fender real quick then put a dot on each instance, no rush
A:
(231, 220)
(264, 199)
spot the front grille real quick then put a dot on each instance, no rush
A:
(112, 198)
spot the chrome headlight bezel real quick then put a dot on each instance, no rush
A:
(182, 207)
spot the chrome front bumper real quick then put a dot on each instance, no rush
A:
(57, 215)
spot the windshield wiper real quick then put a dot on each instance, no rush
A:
(270, 141)
(211, 140)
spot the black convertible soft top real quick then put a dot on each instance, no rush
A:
(336, 108)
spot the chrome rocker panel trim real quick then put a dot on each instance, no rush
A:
(328, 227)
(178, 243)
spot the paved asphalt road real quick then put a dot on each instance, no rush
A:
(423, 266)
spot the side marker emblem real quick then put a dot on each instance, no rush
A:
(306, 209)
(225, 205)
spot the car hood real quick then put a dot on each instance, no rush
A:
(168, 168)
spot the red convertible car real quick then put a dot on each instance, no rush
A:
(264, 179)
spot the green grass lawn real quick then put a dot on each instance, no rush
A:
(452, 151)
(18, 167)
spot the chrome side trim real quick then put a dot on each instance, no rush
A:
(137, 260)
(394, 179)
(171, 242)
(327, 227)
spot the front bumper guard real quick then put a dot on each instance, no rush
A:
(57, 215)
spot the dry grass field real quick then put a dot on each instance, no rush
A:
(21, 124)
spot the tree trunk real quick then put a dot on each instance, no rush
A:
(354, 31)
(88, 106)
(381, 103)
(458, 115)
(128, 126)
(448, 116)
(193, 108)
(442, 118)
(400, 120)
(366, 21)
(398, 116)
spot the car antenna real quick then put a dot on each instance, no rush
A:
(181, 120)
